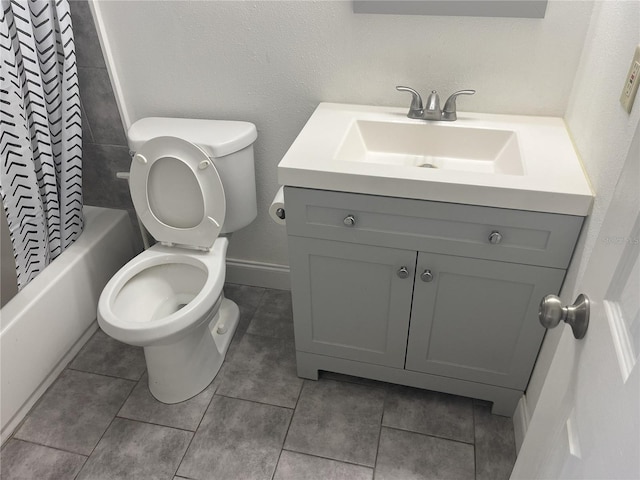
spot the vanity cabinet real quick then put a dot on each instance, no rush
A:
(434, 295)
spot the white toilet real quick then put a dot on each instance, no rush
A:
(190, 181)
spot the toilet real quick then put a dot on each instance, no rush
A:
(192, 183)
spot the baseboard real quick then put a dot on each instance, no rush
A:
(258, 274)
(520, 422)
(15, 422)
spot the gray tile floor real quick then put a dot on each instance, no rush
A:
(257, 420)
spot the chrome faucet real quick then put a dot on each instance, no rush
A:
(432, 110)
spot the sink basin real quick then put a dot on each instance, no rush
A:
(431, 145)
(518, 162)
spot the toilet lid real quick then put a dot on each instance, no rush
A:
(177, 192)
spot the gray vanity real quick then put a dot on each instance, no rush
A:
(429, 291)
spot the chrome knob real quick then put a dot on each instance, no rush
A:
(426, 276)
(495, 237)
(551, 313)
(403, 272)
(349, 220)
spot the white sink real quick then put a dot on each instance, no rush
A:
(431, 145)
(508, 161)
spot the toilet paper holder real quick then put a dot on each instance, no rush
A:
(277, 208)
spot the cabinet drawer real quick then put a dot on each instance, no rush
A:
(525, 237)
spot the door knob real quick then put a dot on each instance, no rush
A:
(551, 312)
(403, 272)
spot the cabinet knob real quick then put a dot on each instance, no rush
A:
(403, 272)
(426, 276)
(349, 220)
(495, 237)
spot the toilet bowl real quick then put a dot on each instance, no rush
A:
(169, 299)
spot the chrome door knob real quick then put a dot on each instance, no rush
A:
(495, 237)
(349, 220)
(403, 272)
(426, 276)
(551, 313)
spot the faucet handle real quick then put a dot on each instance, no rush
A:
(449, 110)
(416, 108)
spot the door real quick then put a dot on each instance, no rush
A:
(587, 420)
(476, 320)
(351, 301)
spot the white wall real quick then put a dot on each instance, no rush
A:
(602, 132)
(272, 62)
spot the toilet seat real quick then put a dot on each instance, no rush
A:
(119, 312)
(177, 192)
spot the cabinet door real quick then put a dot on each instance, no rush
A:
(348, 300)
(477, 319)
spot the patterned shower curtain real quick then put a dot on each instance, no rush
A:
(41, 132)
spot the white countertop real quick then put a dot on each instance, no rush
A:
(553, 179)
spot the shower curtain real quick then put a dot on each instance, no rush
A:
(41, 132)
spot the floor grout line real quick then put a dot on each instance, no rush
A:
(475, 450)
(75, 369)
(384, 406)
(106, 429)
(137, 420)
(284, 440)
(347, 462)
(254, 401)
(427, 435)
(201, 420)
(46, 446)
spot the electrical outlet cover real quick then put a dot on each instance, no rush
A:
(631, 83)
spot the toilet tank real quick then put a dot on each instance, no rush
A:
(229, 145)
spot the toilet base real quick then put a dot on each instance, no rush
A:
(183, 369)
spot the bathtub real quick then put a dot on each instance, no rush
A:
(49, 320)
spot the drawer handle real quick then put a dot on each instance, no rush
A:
(349, 220)
(426, 276)
(495, 237)
(403, 272)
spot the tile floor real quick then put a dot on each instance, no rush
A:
(257, 420)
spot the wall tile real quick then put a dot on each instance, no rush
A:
(100, 163)
(88, 51)
(100, 106)
(87, 136)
